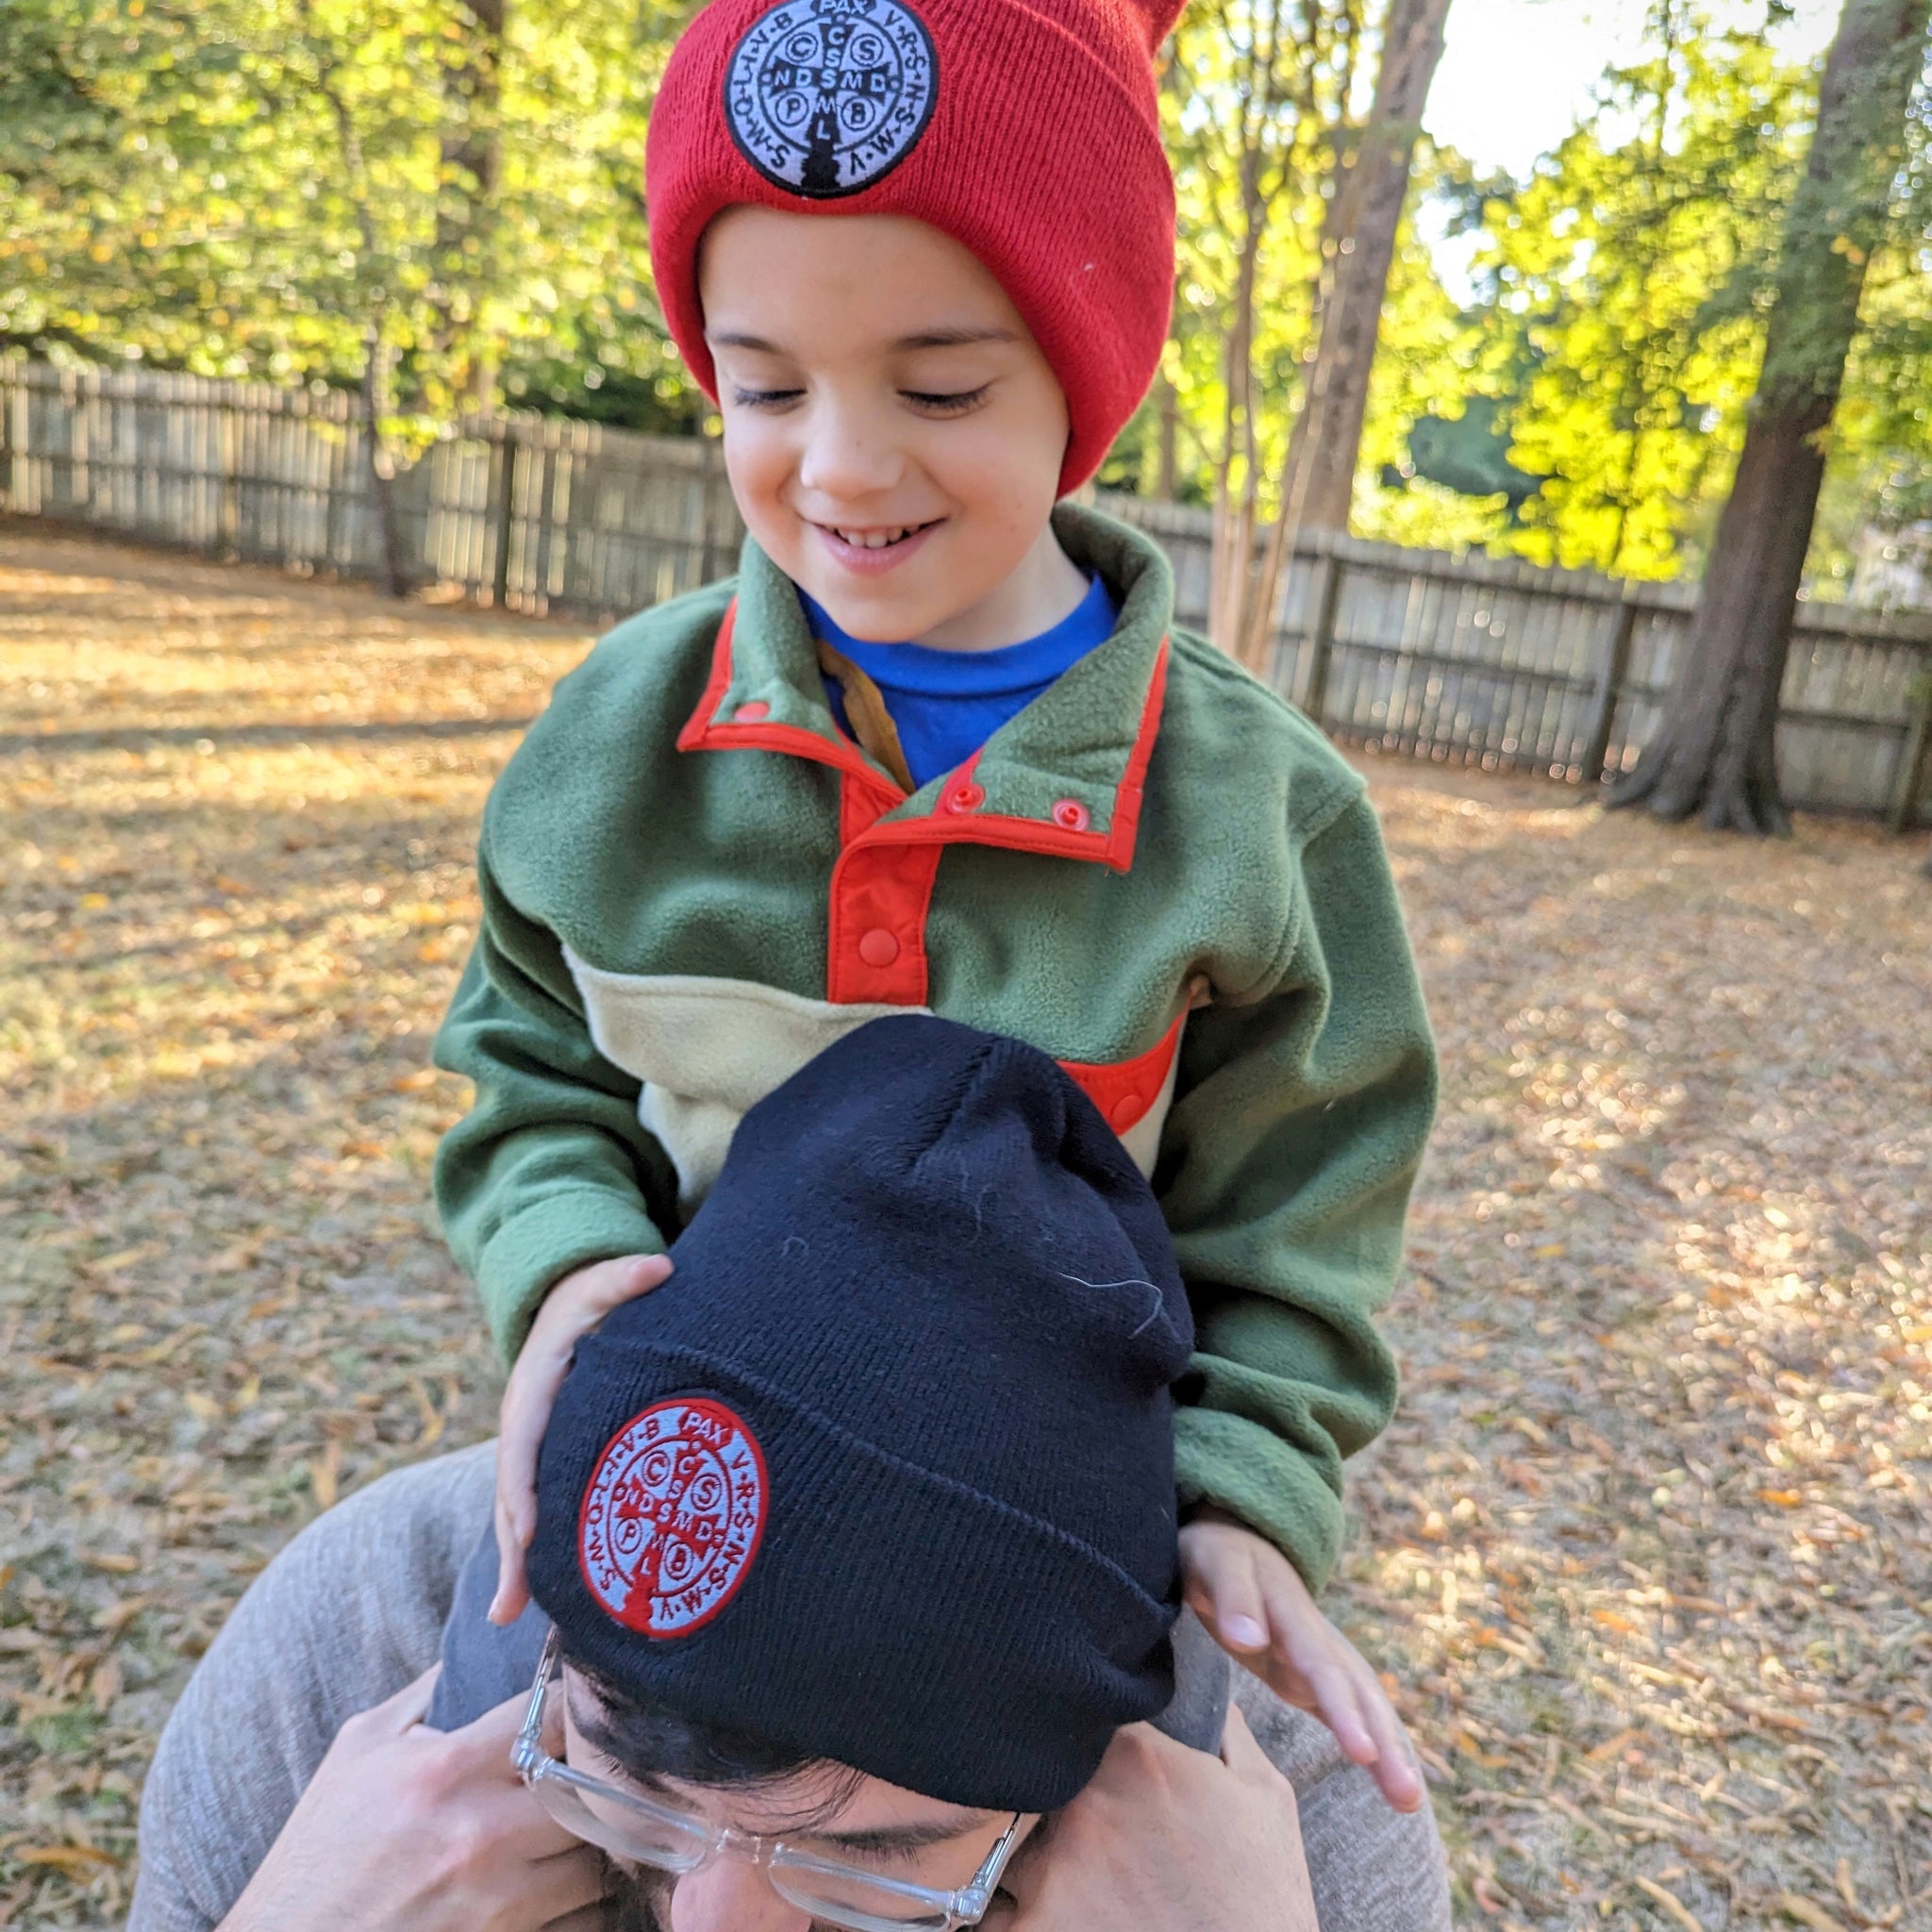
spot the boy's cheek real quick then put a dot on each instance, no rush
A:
(759, 465)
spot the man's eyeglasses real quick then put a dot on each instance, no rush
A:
(651, 1832)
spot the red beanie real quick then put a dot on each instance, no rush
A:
(1026, 129)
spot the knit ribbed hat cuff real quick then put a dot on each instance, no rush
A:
(694, 1368)
(815, 1647)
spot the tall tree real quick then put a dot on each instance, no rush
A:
(1716, 753)
(471, 171)
(1358, 250)
(1255, 110)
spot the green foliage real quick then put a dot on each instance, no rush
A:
(1882, 433)
(275, 187)
(1470, 454)
(1255, 110)
(1628, 279)
(287, 188)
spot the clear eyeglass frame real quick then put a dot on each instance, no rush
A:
(632, 1827)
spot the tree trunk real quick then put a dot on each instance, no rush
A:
(1167, 472)
(1716, 753)
(1233, 545)
(1372, 196)
(1359, 250)
(382, 466)
(472, 163)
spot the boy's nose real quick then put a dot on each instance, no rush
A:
(729, 1896)
(848, 457)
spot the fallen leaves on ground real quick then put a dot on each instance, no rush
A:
(1646, 1556)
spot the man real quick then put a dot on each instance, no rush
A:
(857, 1546)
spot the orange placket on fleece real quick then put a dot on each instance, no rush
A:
(882, 883)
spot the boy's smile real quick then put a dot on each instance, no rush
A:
(893, 433)
(856, 547)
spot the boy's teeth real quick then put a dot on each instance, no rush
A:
(875, 540)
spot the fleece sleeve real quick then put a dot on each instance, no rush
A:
(550, 1169)
(1285, 1177)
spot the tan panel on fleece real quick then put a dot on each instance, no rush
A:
(1142, 1139)
(708, 1051)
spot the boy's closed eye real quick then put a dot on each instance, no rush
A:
(933, 402)
(765, 398)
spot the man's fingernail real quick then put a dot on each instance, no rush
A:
(1245, 1631)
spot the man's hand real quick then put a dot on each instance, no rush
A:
(1251, 1597)
(403, 1829)
(1169, 1840)
(570, 1312)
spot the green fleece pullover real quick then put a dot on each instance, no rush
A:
(1158, 873)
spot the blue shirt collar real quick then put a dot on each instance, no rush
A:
(1026, 666)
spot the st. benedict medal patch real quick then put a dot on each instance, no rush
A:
(825, 97)
(672, 1518)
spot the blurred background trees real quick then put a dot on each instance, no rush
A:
(438, 203)
(285, 189)
(442, 201)
(1716, 755)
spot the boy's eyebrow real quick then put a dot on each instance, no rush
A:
(958, 338)
(735, 339)
(963, 336)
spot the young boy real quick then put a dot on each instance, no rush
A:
(938, 748)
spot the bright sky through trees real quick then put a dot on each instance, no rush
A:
(1517, 74)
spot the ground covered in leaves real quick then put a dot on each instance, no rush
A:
(1647, 1555)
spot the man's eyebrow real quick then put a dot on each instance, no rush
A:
(901, 1837)
(881, 1838)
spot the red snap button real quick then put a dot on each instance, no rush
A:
(966, 797)
(751, 713)
(878, 947)
(1071, 815)
(1125, 1111)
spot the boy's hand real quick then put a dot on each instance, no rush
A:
(1168, 1840)
(1251, 1597)
(570, 1312)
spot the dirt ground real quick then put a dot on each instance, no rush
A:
(1646, 1556)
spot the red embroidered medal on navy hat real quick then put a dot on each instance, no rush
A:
(673, 1515)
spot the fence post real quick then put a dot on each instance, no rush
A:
(504, 447)
(227, 439)
(544, 456)
(1321, 641)
(1904, 809)
(1602, 715)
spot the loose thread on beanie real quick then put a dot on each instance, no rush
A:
(1132, 1281)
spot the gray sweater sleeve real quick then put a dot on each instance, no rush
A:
(347, 1614)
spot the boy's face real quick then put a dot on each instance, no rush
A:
(893, 433)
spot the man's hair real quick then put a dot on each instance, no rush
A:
(647, 1739)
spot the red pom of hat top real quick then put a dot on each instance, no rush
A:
(1028, 132)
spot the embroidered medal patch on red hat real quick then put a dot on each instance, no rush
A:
(673, 1516)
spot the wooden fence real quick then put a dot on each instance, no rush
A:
(1467, 660)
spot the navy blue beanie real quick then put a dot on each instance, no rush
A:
(884, 1474)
